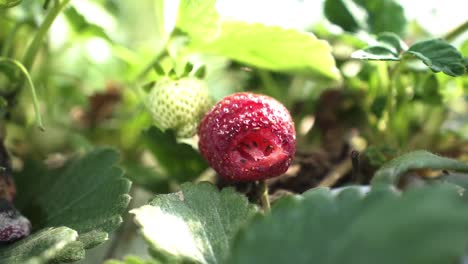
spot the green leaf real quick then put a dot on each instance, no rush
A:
(9, 3)
(79, 23)
(376, 16)
(376, 53)
(146, 176)
(464, 48)
(439, 55)
(88, 195)
(388, 48)
(258, 45)
(270, 47)
(384, 15)
(337, 12)
(424, 226)
(391, 171)
(196, 224)
(40, 247)
(201, 11)
(392, 40)
(166, 149)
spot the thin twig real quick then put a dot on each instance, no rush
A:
(453, 34)
(338, 172)
(356, 166)
(264, 198)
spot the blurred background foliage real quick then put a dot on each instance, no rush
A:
(100, 52)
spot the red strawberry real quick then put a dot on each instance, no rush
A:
(248, 137)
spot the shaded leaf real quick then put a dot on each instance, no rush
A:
(384, 15)
(376, 16)
(88, 195)
(439, 55)
(146, 177)
(391, 171)
(392, 40)
(378, 106)
(79, 23)
(427, 89)
(270, 47)
(424, 226)
(40, 247)
(196, 224)
(338, 13)
(378, 156)
(166, 149)
(388, 48)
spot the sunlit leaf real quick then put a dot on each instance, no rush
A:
(257, 45)
(464, 48)
(271, 47)
(198, 18)
(196, 224)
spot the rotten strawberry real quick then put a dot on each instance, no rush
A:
(248, 137)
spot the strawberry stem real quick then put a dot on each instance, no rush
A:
(264, 198)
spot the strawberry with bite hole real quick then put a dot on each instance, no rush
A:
(248, 137)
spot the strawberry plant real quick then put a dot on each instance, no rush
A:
(190, 132)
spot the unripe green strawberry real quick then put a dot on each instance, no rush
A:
(179, 105)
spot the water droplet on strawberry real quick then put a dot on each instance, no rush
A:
(261, 141)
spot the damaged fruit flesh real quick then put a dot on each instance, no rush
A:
(248, 137)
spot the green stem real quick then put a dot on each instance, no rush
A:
(150, 65)
(392, 99)
(31, 53)
(10, 38)
(23, 70)
(453, 34)
(36, 43)
(264, 198)
(269, 84)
